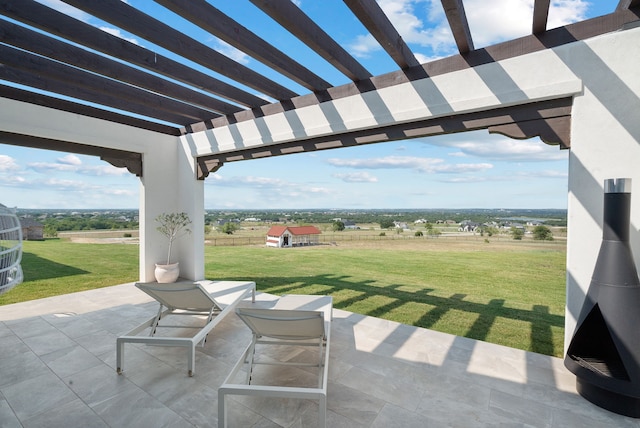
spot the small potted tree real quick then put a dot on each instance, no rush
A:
(173, 226)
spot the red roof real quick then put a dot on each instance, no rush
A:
(276, 230)
(304, 230)
(294, 230)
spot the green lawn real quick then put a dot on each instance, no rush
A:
(507, 293)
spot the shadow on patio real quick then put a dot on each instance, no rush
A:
(58, 369)
(474, 319)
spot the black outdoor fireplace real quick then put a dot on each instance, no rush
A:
(604, 353)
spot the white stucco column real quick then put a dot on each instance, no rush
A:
(191, 201)
(168, 185)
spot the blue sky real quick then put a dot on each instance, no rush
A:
(468, 170)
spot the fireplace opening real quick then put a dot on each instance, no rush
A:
(593, 348)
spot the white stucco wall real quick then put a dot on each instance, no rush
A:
(605, 144)
(166, 185)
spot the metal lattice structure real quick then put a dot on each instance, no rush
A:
(10, 250)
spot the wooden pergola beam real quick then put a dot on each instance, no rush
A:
(53, 22)
(85, 110)
(27, 69)
(378, 24)
(118, 158)
(540, 16)
(550, 120)
(628, 4)
(293, 19)
(49, 47)
(220, 25)
(136, 22)
(454, 10)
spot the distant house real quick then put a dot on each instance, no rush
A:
(469, 226)
(400, 225)
(348, 224)
(31, 230)
(291, 236)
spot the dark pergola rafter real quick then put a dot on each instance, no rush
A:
(220, 25)
(73, 107)
(454, 10)
(66, 53)
(378, 24)
(300, 25)
(628, 4)
(135, 22)
(540, 16)
(27, 69)
(53, 22)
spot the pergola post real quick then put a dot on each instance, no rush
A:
(168, 185)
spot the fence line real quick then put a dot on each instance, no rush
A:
(348, 237)
(234, 240)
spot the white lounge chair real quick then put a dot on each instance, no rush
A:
(211, 301)
(289, 323)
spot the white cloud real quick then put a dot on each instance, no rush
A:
(119, 192)
(263, 181)
(433, 34)
(356, 177)
(563, 12)
(509, 177)
(64, 184)
(78, 14)
(231, 52)
(72, 164)
(423, 59)
(423, 23)
(273, 189)
(425, 165)
(70, 160)
(504, 149)
(548, 173)
(69, 10)
(49, 166)
(118, 33)
(7, 163)
(13, 181)
(493, 21)
(363, 46)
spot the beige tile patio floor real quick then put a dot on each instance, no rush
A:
(57, 368)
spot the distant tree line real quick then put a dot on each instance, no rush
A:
(551, 217)
(82, 223)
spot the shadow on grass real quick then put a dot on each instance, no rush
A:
(539, 318)
(39, 268)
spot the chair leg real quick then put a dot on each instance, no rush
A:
(156, 321)
(251, 354)
(222, 410)
(192, 359)
(322, 421)
(320, 369)
(119, 356)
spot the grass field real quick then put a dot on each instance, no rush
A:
(506, 292)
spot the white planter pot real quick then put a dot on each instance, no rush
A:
(167, 273)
